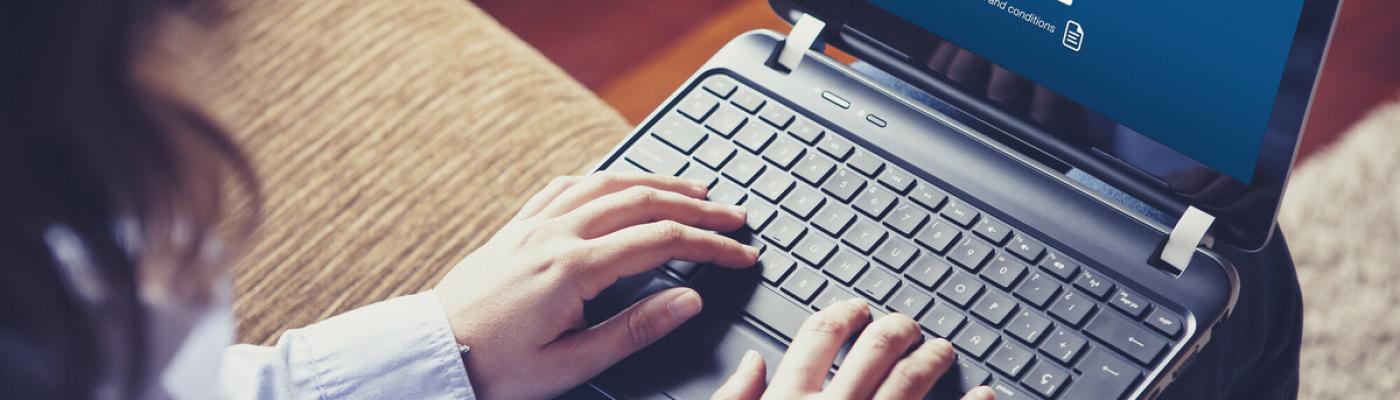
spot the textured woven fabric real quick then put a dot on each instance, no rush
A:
(392, 138)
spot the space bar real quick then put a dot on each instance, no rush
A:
(772, 310)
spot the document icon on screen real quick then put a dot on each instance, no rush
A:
(1074, 36)
(1067, 2)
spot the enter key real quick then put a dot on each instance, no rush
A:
(1103, 376)
(1127, 336)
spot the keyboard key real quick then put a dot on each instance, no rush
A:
(806, 130)
(679, 133)
(720, 85)
(743, 169)
(1059, 266)
(897, 180)
(695, 173)
(784, 232)
(697, 105)
(1094, 285)
(773, 266)
(864, 236)
(685, 269)
(961, 289)
(1038, 290)
(1072, 308)
(1004, 272)
(835, 146)
(971, 254)
(844, 185)
(803, 202)
(833, 219)
(803, 285)
(976, 339)
(928, 196)
(814, 249)
(960, 213)
(865, 163)
(725, 121)
(1011, 359)
(896, 254)
(845, 267)
(626, 166)
(942, 321)
(1129, 303)
(758, 215)
(938, 236)
(776, 115)
(725, 192)
(1009, 391)
(784, 152)
(1165, 322)
(1127, 336)
(994, 308)
(1026, 248)
(714, 153)
(755, 137)
(992, 230)
(1063, 346)
(928, 270)
(1046, 379)
(656, 157)
(906, 219)
(910, 301)
(875, 201)
(773, 186)
(1028, 326)
(814, 168)
(877, 285)
(963, 376)
(1103, 376)
(775, 312)
(748, 100)
(830, 296)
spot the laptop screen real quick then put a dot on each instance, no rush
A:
(1200, 77)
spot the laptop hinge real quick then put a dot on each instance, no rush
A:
(1189, 233)
(804, 35)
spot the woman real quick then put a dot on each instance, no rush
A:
(115, 234)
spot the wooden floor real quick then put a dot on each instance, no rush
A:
(634, 53)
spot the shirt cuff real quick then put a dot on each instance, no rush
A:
(399, 348)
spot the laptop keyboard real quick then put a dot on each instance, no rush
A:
(835, 221)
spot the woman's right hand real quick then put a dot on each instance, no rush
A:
(879, 364)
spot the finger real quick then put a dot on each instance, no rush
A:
(641, 248)
(871, 357)
(913, 376)
(980, 393)
(641, 204)
(546, 195)
(804, 366)
(604, 183)
(584, 354)
(747, 381)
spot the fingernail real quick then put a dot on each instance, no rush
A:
(684, 306)
(738, 210)
(855, 302)
(750, 358)
(984, 392)
(753, 251)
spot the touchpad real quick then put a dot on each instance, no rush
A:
(694, 360)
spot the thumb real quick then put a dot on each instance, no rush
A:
(587, 353)
(747, 382)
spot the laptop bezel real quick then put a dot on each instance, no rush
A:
(1245, 213)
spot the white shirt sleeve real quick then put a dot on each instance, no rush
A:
(398, 348)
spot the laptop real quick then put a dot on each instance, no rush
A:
(1045, 188)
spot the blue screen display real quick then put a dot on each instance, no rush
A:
(1198, 76)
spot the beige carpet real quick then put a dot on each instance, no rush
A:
(393, 137)
(1342, 219)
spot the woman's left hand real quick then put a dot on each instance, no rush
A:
(518, 300)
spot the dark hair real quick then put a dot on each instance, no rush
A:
(110, 185)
